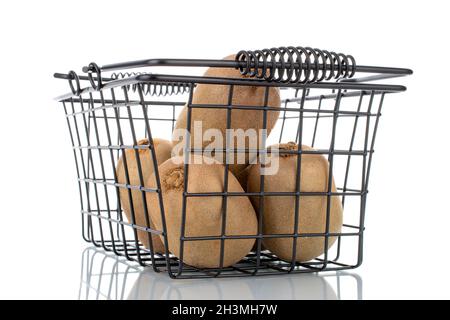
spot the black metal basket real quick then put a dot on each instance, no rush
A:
(323, 105)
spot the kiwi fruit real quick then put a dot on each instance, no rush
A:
(279, 211)
(216, 118)
(203, 214)
(162, 152)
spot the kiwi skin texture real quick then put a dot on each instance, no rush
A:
(279, 212)
(162, 152)
(216, 118)
(203, 214)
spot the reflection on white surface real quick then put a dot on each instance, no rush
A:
(106, 276)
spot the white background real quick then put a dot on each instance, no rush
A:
(407, 243)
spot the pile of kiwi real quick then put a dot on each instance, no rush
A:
(204, 215)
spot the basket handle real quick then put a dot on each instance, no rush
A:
(295, 64)
(283, 64)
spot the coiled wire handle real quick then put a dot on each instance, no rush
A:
(295, 64)
(153, 89)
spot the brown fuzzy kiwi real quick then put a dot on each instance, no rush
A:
(242, 178)
(279, 212)
(162, 151)
(203, 214)
(215, 118)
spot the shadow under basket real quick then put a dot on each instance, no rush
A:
(328, 102)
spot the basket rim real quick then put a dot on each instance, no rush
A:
(192, 80)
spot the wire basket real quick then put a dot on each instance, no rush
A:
(328, 103)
